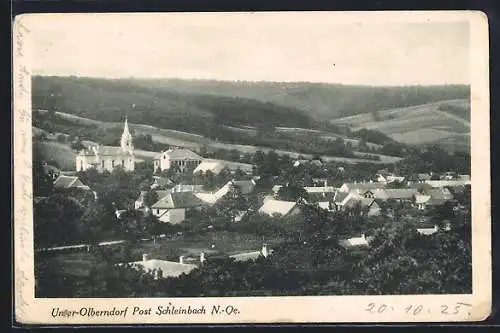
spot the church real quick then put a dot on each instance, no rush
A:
(107, 157)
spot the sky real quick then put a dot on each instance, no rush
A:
(313, 47)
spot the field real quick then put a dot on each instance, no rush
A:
(193, 141)
(61, 153)
(421, 124)
(170, 248)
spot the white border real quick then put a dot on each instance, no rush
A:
(29, 310)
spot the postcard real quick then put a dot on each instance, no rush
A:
(251, 167)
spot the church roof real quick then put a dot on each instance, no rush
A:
(105, 151)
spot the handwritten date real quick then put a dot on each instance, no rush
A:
(416, 309)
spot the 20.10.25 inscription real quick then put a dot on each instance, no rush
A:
(416, 309)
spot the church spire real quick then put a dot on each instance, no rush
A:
(126, 141)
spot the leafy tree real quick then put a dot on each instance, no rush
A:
(292, 193)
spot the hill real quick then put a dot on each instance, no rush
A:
(110, 100)
(445, 123)
(318, 100)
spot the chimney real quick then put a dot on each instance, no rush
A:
(363, 236)
(326, 183)
(202, 257)
(181, 259)
(145, 257)
(264, 250)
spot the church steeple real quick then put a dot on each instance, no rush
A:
(126, 141)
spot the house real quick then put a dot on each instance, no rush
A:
(187, 188)
(139, 202)
(432, 197)
(163, 268)
(212, 166)
(399, 194)
(448, 183)
(361, 241)
(341, 198)
(428, 230)
(178, 158)
(370, 205)
(172, 207)
(161, 183)
(245, 187)
(64, 182)
(107, 158)
(360, 187)
(273, 207)
(245, 256)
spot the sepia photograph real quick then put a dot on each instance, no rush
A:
(175, 160)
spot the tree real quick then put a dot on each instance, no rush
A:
(292, 193)
(150, 198)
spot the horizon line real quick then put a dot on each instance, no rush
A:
(249, 81)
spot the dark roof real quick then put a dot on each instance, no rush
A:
(439, 193)
(364, 186)
(364, 202)
(162, 181)
(179, 200)
(245, 186)
(339, 196)
(67, 181)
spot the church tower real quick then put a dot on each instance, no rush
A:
(126, 141)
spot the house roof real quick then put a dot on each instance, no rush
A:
(395, 193)
(214, 167)
(181, 154)
(187, 188)
(319, 189)
(168, 268)
(439, 193)
(355, 241)
(64, 181)
(364, 202)
(448, 183)
(178, 200)
(105, 151)
(245, 186)
(162, 181)
(160, 193)
(272, 207)
(324, 204)
(246, 256)
(364, 186)
(340, 196)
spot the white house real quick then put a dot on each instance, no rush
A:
(139, 203)
(245, 256)
(212, 166)
(172, 207)
(361, 241)
(245, 187)
(107, 157)
(180, 159)
(273, 207)
(163, 268)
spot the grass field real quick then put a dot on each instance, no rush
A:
(420, 124)
(58, 152)
(80, 263)
(193, 141)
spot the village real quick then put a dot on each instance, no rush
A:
(186, 193)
